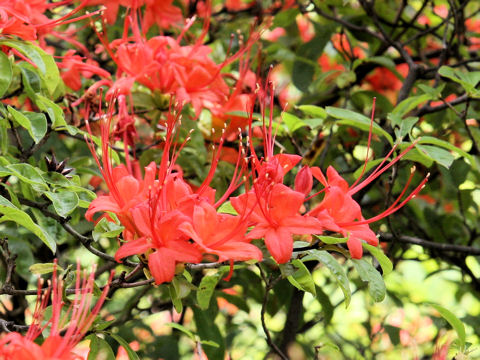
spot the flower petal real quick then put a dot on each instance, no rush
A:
(280, 244)
(162, 266)
(133, 247)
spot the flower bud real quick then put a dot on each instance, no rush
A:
(304, 180)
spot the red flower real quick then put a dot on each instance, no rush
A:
(112, 6)
(161, 212)
(338, 207)
(162, 240)
(61, 341)
(239, 5)
(220, 234)
(271, 207)
(74, 67)
(162, 13)
(274, 213)
(340, 213)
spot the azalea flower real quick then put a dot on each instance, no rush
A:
(273, 208)
(74, 67)
(339, 212)
(162, 13)
(62, 339)
(165, 219)
(164, 64)
(112, 7)
(220, 234)
(274, 213)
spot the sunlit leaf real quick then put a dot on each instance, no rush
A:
(376, 285)
(335, 268)
(301, 278)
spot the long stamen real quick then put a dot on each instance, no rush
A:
(380, 170)
(392, 208)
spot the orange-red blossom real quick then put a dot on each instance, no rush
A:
(169, 222)
(65, 331)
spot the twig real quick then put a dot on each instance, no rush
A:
(269, 284)
(86, 241)
(465, 250)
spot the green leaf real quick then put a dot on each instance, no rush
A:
(30, 79)
(439, 155)
(5, 73)
(301, 278)
(304, 65)
(292, 122)
(446, 145)
(4, 138)
(351, 118)
(363, 101)
(45, 268)
(327, 307)
(303, 72)
(331, 239)
(38, 122)
(410, 103)
(107, 229)
(182, 329)
(416, 155)
(393, 333)
(376, 285)
(435, 93)
(54, 111)
(28, 174)
(209, 332)
(313, 123)
(21, 247)
(100, 325)
(176, 300)
(64, 202)
(52, 74)
(312, 110)
(382, 259)
(37, 129)
(182, 286)
(11, 213)
(227, 208)
(45, 63)
(209, 343)
(29, 50)
(335, 268)
(206, 289)
(468, 79)
(99, 349)
(132, 355)
(370, 165)
(404, 126)
(345, 79)
(285, 18)
(453, 321)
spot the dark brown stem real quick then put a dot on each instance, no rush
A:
(465, 250)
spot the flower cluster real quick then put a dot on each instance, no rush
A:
(65, 331)
(169, 222)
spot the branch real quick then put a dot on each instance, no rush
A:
(294, 314)
(269, 284)
(427, 109)
(86, 241)
(466, 250)
(8, 326)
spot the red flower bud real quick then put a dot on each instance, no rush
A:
(304, 180)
